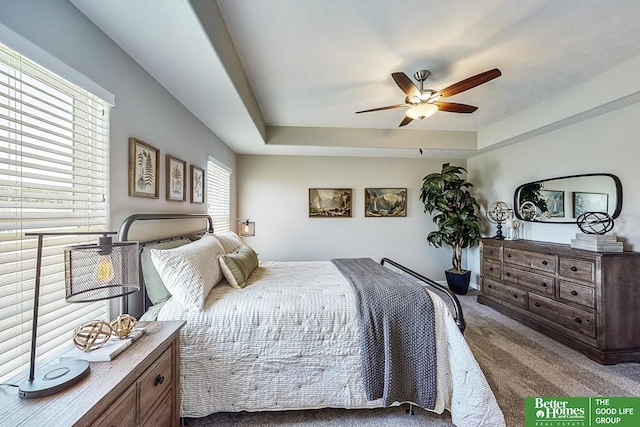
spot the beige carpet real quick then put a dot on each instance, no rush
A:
(516, 360)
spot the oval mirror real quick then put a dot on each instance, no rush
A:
(561, 200)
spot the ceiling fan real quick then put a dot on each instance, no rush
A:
(423, 103)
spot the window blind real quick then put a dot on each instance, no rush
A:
(53, 177)
(218, 195)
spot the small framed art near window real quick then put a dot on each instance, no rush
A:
(176, 180)
(144, 160)
(197, 184)
(329, 203)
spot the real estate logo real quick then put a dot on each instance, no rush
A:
(582, 411)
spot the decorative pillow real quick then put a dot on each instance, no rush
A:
(230, 240)
(238, 265)
(190, 271)
(156, 290)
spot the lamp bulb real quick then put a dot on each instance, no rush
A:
(104, 273)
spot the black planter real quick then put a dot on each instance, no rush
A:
(458, 281)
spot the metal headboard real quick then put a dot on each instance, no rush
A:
(124, 235)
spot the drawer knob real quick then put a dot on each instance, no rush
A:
(578, 320)
(537, 304)
(515, 296)
(508, 255)
(489, 286)
(544, 262)
(491, 252)
(490, 268)
(508, 274)
(159, 380)
(574, 268)
(574, 293)
(543, 284)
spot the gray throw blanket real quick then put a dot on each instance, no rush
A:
(397, 333)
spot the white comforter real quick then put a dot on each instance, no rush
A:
(290, 340)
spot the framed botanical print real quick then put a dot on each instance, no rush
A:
(176, 179)
(197, 184)
(144, 160)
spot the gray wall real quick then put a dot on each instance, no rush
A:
(273, 192)
(144, 109)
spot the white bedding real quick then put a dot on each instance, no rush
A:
(290, 340)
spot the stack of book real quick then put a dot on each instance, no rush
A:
(596, 242)
(108, 351)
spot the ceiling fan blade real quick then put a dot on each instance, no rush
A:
(470, 83)
(453, 107)
(405, 121)
(405, 83)
(389, 107)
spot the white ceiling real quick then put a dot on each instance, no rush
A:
(313, 63)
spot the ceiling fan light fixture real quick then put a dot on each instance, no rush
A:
(421, 111)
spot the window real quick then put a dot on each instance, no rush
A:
(218, 195)
(53, 177)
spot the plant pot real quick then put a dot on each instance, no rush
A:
(458, 281)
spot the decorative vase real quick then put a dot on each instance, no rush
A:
(458, 281)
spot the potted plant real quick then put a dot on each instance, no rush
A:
(446, 193)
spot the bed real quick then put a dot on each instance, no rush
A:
(285, 342)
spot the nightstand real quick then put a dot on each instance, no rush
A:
(140, 387)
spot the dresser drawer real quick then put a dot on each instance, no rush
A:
(536, 282)
(577, 269)
(492, 269)
(122, 412)
(161, 416)
(564, 315)
(508, 293)
(542, 262)
(492, 252)
(579, 294)
(154, 383)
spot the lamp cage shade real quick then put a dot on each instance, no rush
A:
(246, 228)
(99, 272)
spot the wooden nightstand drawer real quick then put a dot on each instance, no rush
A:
(577, 269)
(154, 383)
(492, 252)
(161, 416)
(122, 412)
(580, 294)
(542, 262)
(513, 295)
(536, 282)
(564, 315)
(492, 269)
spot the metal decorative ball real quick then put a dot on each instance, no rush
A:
(92, 335)
(595, 222)
(529, 211)
(498, 212)
(123, 325)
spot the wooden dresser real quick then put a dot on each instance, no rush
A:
(587, 300)
(140, 387)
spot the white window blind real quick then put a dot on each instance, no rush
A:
(218, 195)
(53, 177)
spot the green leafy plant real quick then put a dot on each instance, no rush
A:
(445, 195)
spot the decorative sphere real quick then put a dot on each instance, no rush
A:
(595, 222)
(498, 212)
(529, 211)
(123, 325)
(92, 335)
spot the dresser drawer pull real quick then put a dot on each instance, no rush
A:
(491, 252)
(489, 286)
(574, 293)
(515, 296)
(544, 262)
(508, 255)
(578, 320)
(543, 284)
(574, 268)
(490, 268)
(537, 304)
(159, 380)
(508, 274)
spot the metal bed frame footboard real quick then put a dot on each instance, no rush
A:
(459, 316)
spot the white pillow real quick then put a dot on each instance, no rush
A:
(230, 241)
(189, 272)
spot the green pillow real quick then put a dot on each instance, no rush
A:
(238, 265)
(156, 290)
